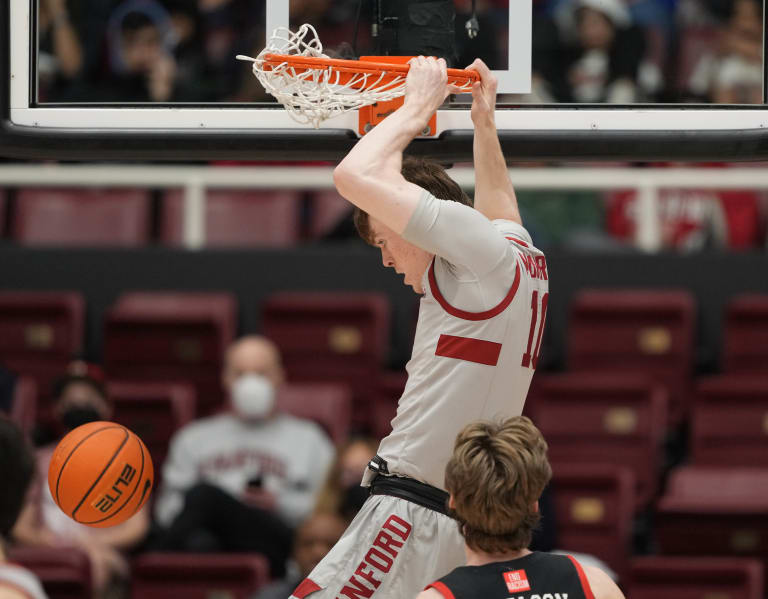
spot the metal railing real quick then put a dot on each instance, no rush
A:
(195, 180)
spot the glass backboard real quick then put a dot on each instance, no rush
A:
(578, 79)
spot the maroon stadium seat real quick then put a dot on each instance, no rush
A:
(24, 406)
(746, 335)
(327, 209)
(64, 571)
(636, 331)
(198, 576)
(154, 411)
(170, 337)
(605, 419)
(82, 217)
(40, 333)
(655, 577)
(328, 404)
(730, 421)
(338, 337)
(391, 387)
(239, 218)
(714, 511)
(594, 507)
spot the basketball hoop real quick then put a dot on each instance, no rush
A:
(314, 87)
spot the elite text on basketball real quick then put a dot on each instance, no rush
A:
(106, 501)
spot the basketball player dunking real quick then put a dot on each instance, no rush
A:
(477, 341)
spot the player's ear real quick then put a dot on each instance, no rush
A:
(536, 507)
(451, 502)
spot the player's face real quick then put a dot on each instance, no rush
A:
(406, 258)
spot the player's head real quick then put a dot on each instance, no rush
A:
(16, 469)
(252, 372)
(495, 477)
(315, 538)
(396, 252)
(80, 399)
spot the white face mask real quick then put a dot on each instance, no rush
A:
(253, 396)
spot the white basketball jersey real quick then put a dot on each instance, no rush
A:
(467, 366)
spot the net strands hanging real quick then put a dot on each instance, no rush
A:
(314, 87)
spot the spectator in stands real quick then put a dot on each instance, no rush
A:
(17, 466)
(342, 493)
(79, 399)
(734, 73)
(140, 66)
(314, 538)
(60, 53)
(243, 479)
(606, 53)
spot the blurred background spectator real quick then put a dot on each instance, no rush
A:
(79, 399)
(314, 539)
(585, 51)
(342, 493)
(243, 479)
(16, 471)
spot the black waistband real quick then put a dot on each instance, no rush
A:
(411, 490)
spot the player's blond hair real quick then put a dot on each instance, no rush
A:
(496, 475)
(428, 175)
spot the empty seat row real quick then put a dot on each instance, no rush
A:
(335, 336)
(169, 337)
(67, 574)
(123, 217)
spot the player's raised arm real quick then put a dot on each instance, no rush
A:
(494, 194)
(369, 176)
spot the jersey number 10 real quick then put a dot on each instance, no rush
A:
(532, 359)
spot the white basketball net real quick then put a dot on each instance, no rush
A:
(314, 95)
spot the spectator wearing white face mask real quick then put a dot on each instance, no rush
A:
(243, 479)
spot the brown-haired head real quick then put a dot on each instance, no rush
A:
(496, 474)
(428, 175)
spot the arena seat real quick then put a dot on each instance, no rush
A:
(327, 404)
(64, 572)
(391, 387)
(24, 404)
(336, 337)
(171, 337)
(117, 217)
(154, 411)
(40, 332)
(730, 421)
(644, 331)
(198, 575)
(594, 506)
(238, 218)
(612, 419)
(327, 209)
(714, 511)
(746, 335)
(665, 577)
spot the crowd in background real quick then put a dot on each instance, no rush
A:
(584, 51)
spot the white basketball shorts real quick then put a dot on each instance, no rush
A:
(391, 550)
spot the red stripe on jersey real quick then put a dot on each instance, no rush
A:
(442, 589)
(582, 578)
(518, 241)
(471, 350)
(306, 587)
(473, 315)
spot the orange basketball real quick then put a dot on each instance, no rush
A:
(100, 474)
